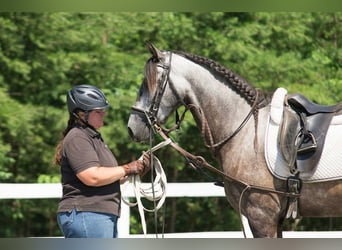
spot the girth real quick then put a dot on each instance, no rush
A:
(302, 132)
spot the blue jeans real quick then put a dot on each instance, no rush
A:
(77, 224)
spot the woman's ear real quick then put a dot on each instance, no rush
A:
(79, 114)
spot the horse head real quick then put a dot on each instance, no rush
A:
(157, 97)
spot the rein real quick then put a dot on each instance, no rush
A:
(205, 127)
(199, 161)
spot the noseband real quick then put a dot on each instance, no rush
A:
(151, 114)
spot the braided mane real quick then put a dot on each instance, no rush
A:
(236, 82)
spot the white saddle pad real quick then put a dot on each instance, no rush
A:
(329, 166)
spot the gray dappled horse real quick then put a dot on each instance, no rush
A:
(232, 117)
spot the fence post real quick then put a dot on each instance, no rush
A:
(123, 222)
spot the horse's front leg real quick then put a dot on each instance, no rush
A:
(264, 211)
(264, 215)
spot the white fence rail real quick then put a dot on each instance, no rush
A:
(46, 191)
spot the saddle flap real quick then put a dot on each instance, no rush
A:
(288, 131)
(302, 146)
(318, 126)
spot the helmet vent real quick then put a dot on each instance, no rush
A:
(93, 96)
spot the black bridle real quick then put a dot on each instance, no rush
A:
(151, 114)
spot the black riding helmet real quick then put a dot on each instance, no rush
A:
(86, 98)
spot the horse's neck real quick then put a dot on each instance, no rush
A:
(220, 107)
(213, 101)
(225, 111)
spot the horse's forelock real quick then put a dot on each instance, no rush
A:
(150, 76)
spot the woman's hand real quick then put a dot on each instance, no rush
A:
(134, 167)
(147, 163)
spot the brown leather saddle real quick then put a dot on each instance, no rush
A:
(302, 132)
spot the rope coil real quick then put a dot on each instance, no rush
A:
(154, 192)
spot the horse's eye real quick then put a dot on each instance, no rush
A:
(155, 59)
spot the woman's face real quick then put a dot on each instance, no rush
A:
(96, 118)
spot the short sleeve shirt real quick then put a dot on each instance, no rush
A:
(83, 148)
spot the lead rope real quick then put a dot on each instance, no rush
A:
(152, 186)
(154, 192)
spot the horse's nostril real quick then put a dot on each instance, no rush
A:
(130, 132)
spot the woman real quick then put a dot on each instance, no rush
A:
(91, 200)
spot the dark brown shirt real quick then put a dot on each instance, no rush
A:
(84, 148)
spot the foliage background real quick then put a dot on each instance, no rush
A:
(42, 55)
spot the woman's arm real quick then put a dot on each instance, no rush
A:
(99, 176)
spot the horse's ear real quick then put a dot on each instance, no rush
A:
(156, 54)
